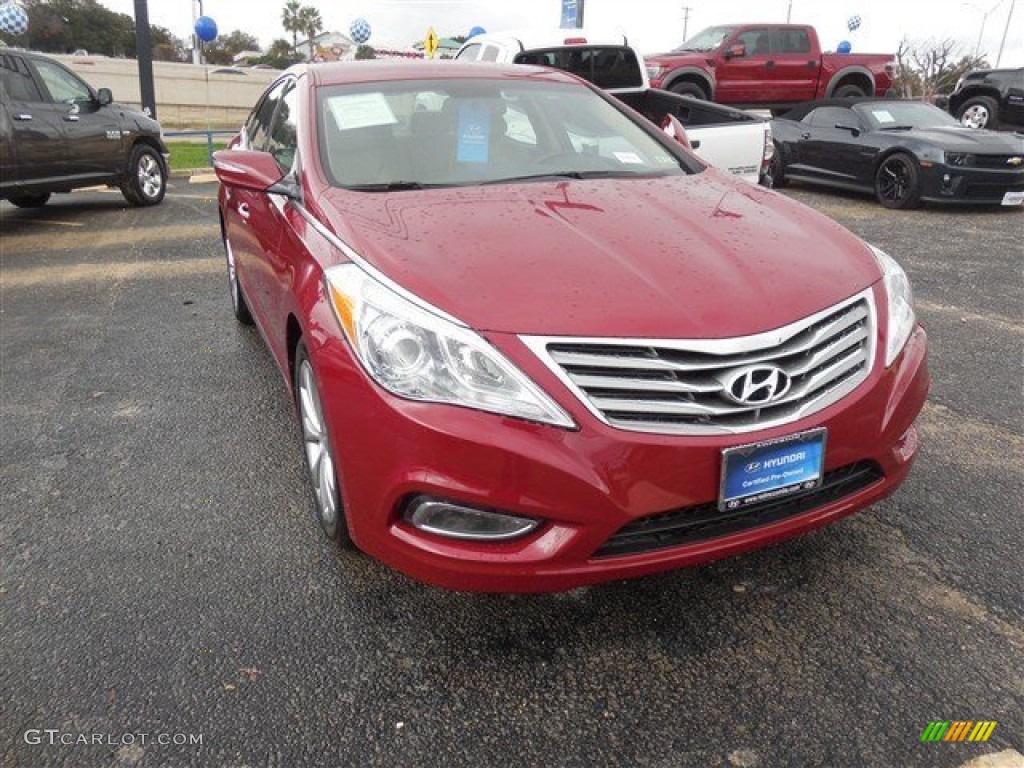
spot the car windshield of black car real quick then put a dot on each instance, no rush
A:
(882, 115)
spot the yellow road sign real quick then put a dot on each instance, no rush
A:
(430, 43)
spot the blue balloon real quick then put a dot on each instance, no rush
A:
(477, 31)
(844, 47)
(206, 28)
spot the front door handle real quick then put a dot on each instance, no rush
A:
(23, 117)
(769, 65)
(805, 135)
(70, 118)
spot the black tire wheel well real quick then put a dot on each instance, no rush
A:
(849, 83)
(689, 86)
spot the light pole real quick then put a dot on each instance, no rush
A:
(197, 44)
(984, 18)
(144, 55)
(686, 22)
(1006, 29)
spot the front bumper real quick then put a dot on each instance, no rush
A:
(954, 184)
(586, 485)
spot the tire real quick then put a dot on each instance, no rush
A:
(979, 112)
(30, 201)
(687, 88)
(330, 512)
(146, 181)
(238, 303)
(897, 182)
(777, 168)
(848, 92)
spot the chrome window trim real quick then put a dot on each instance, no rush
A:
(727, 346)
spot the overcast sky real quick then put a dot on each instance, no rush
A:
(652, 25)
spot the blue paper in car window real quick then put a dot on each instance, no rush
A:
(474, 133)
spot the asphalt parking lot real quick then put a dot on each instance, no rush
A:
(163, 574)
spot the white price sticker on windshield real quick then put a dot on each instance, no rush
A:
(883, 116)
(361, 110)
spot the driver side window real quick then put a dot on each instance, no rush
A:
(62, 85)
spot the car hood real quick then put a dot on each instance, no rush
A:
(962, 139)
(682, 256)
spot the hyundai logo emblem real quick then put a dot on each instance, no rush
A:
(757, 385)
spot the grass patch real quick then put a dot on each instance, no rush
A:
(191, 154)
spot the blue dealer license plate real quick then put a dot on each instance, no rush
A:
(752, 474)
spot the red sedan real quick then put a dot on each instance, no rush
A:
(534, 343)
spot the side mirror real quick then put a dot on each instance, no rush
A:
(672, 127)
(736, 51)
(104, 97)
(247, 169)
(854, 130)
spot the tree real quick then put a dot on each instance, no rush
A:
(311, 23)
(64, 26)
(279, 55)
(365, 52)
(223, 49)
(290, 20)
(930, 67)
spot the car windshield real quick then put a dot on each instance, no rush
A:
(707, 39)
(409, 134)
(903, 115)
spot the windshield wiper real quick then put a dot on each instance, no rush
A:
(606, 174)
(389, 186)
(896, 128)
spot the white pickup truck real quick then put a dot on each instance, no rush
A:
(726, 138)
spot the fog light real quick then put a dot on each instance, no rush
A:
(446, 518)
(906, 446)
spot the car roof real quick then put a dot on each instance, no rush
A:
(344, 72)
(800, 111)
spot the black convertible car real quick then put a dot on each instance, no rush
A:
(902, 151)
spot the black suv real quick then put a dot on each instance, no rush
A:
(58, 134)
(987, 98)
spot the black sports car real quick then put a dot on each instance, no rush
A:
(903, 151)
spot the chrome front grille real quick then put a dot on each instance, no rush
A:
(682, 386)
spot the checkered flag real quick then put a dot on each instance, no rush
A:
(360, 31)
(853, 22)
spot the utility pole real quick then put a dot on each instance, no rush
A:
(686, 21)
(1005, 30)
(144, 55)
(789, 11)
(579, 15)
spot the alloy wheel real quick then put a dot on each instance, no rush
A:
(894, 180)
(975, 116)
(150, 176)
(318, 449)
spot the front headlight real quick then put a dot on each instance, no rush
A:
(419, 355)
(900, 301)
(655, 70)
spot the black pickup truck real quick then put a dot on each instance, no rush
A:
(58, 134)
(989, 98)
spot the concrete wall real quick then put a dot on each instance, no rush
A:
(187, 95)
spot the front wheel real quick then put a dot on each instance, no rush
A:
(777, 168)
(979, 112)
(238, 302)
(30, 201)
(146, 182)
(319, 453)
(897, 183)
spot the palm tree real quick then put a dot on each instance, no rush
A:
(290, 20)
(310, 23)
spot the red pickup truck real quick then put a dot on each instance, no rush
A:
(767, 66)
